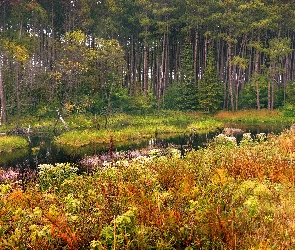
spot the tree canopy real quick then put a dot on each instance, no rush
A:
(91, 55)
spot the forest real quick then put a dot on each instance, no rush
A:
(85, 56)
(147, 124)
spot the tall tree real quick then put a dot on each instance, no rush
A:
(188, 89)
(210, 86)
(278, 49)
(2, 96)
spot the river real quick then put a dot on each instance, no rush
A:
(42, 150)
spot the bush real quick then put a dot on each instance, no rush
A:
(224, 196)
(51, 176)
(288, 110)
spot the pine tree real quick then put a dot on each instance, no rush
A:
(210, 87)
(188, 90)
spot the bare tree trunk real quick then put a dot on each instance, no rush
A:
(2, 98)
(205, 51)
(250, 65)
(287, 74)
(270, 78)
(230, 77)
(161, 73)
(177, 63)
(17, 91)
(166, 66)
(272, 93)
(196, 70)
(145, 70)
(132, 67)
(256, 68)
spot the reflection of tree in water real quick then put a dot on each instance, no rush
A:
(43, 151)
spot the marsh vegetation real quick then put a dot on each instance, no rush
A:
(226, 195)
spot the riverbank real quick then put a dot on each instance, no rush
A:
(85, 135)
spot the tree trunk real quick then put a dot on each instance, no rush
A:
(230, 78)
(269, 89)
(161, 73)
(145, 70)
(17, 91)
(2, 98)
(196, 70)
(131, 67)
(166, 66)
(256, 68)
(272, 93)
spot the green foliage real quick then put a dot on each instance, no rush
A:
(140, 104)
(9, 143)
(288, 110)
(51, 176)
(248, 93)
(290, 93)
(279, 99)
(210, 87)
(83, 53)
(188, 89)
(172, 97)
(222, 196)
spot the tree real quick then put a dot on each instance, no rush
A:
(108, 58)
(2, 96)
(278, 49)
(257, 20)
(188, 97)
(248, 94)
(210, 87)
(231, 25)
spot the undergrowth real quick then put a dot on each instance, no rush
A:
(224, 196)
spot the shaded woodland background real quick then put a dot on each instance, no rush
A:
(86, 56)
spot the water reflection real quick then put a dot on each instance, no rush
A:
(42, 150)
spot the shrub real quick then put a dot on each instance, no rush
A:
(224, 196)
(288, 110)
(51, 176)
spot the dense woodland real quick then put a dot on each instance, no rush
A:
(140, 55)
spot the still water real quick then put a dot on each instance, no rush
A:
(42, 149)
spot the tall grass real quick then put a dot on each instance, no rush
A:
(254, 117)
(125, 128)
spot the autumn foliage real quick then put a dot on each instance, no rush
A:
(224, 196)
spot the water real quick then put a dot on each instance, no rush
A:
(43, 151)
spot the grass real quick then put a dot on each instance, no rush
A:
(126, 128)
(86, 130)
(9, 143)
(255, 117)
(224, 196)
